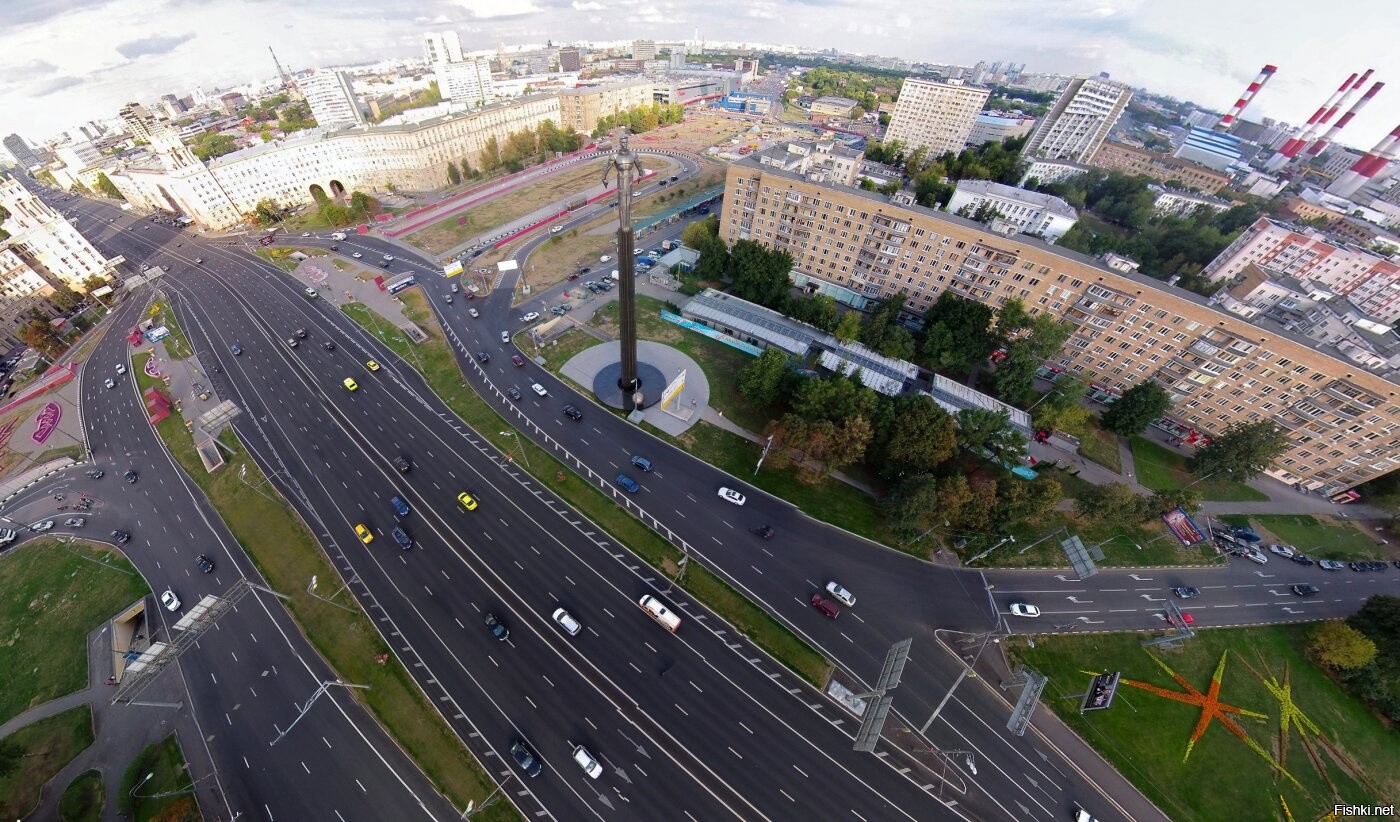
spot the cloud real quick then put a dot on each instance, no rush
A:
(53, 85)
(147, 46)
(32, 70)
(588, 5)
(21, 12)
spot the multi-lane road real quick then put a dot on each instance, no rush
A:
(697, 722)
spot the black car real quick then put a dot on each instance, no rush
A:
(1302, 559)
(766, 531)
(131, 475)
(121, 537)
(204, 564)
(513, 393)
(328, 345)
(482, 356)
(573, 413)
(1304, 590)
(401, 462)
(401, 537)
(525, 758)
(1358, 566)
(497, 628)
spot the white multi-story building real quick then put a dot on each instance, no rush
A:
(993, 127)
(332, 98)
(935, 115)
(44, 240)
(411, 157)
(442, 47)
(1369, 280)
(1080, 120)
(1018, 210)
(466, 82)
(1177, 203)
(1051, 171)
(643, 49)
(20, 290)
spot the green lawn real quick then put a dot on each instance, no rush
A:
(1144, 544)
(568, 344)
(1145, 736)
(1315, 537)
(82, 800)
(438, 366)
(1163, 469)
(45, 748)
(177, 346)
(285, 552)
(1101, 445)
(169, 772)
(51, 597)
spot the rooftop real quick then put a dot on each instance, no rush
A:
(1047, 202)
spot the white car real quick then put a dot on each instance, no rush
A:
(556, 229)
(586, 761)
(40, 527)
(531, 317)
(1023, 609)
(388, 258)
(1282, 550)
(1256, 556)
(473, 312)
(605, 259)
(306, 233)
(505, 336)
(566, 621)
(110, 383)
(539, 389)
(169, 600)
(730, 495)
(357, 255)
(841, 594)
(121, 369)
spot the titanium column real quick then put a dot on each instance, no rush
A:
(627, 169)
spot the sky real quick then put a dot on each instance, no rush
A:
(63, 62)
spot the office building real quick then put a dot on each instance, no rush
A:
(1045, 172)
(331, 98)
(442, 47)
(643, 49)
(1212, 149)
(1370, 281)
(581, 108)
(993, 127)
(570, 59)
(171, 106)
(935, 115)
(1171, 202)
(19, 149)
(1164, 168)
(233, 101)
(1080, 120)
(1016, 209)
(1335, 395)
(44, 240)
(466, 82)
(832, 107)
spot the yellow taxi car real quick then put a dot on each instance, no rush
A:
(372, 365)
(468, 502)
(363, 533)
(351, 384)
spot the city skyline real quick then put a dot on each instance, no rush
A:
(114, 51)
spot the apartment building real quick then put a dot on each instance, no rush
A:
(570, 58)
(1371, 281)
(1080, 120)
(581, 108)
(935, 115)
(1017, 210)
(995, 126)
(643, 50)
(1164, 168)
(44, 240)
(331, 98)
(1339, 401)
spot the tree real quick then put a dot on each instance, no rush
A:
(1017, 499)
(857, 112)
(106, 186)
(1138, 406)
(759, 274)
(1114, 502)
(913, 507)
(362, 205)
(1015, 375)
(761, 381)
(847, 444)
(490, 158)
(1338, 645)
(11, 755)
(211, 144)
(990, 435)
(1187, 499)
(41, 336)
(453, 175)
(884, 317)
(1245, 450)
(848, 328)
(1059, 408)
(957, 334)
(468, 173)
(335, 214)
(267, 211)
(922, 436)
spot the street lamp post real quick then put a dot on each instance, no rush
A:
(138, 785)
(523, 456)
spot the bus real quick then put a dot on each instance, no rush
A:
(404, 281)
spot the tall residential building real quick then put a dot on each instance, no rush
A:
(1335, 395)
(442, 47)
(643, 49)
(332, 98)
(21, 289)
(993, 127)
(466, 82)
(1164, 168)
(935, 115)
(1080, 120)
(45, 240)
(19, 149)
(570, 58)
(581, 108)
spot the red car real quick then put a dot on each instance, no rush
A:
(518, 360)
(826, 606)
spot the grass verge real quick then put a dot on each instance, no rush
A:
(439, 368)
(1318, 538)
(285, 552)
(1101, 446)
(1123, 546)
(82, 800)
(165, 762)
(44, 748)
(177, 347)
(51, 596)
(1163, 469)
(1146, 736)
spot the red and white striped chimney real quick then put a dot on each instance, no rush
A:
(1322, 142)
(1368, 166)
(1300, 138)
(1253, 88)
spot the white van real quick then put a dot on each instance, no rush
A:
(659, 612)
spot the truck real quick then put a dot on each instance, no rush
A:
(578, 202)
(338, 235)
(659, 612)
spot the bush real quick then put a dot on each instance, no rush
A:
(1338, 645)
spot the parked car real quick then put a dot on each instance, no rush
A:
(1302, 559)
(1330, 565)
(1281, 550)
(41, 526)
(75, 522)
(530, 317)
(1256, 556)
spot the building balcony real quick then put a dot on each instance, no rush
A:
(1350, 392)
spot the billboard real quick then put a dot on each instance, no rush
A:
(1100, 694)
(1183, 527)
(452, 269)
